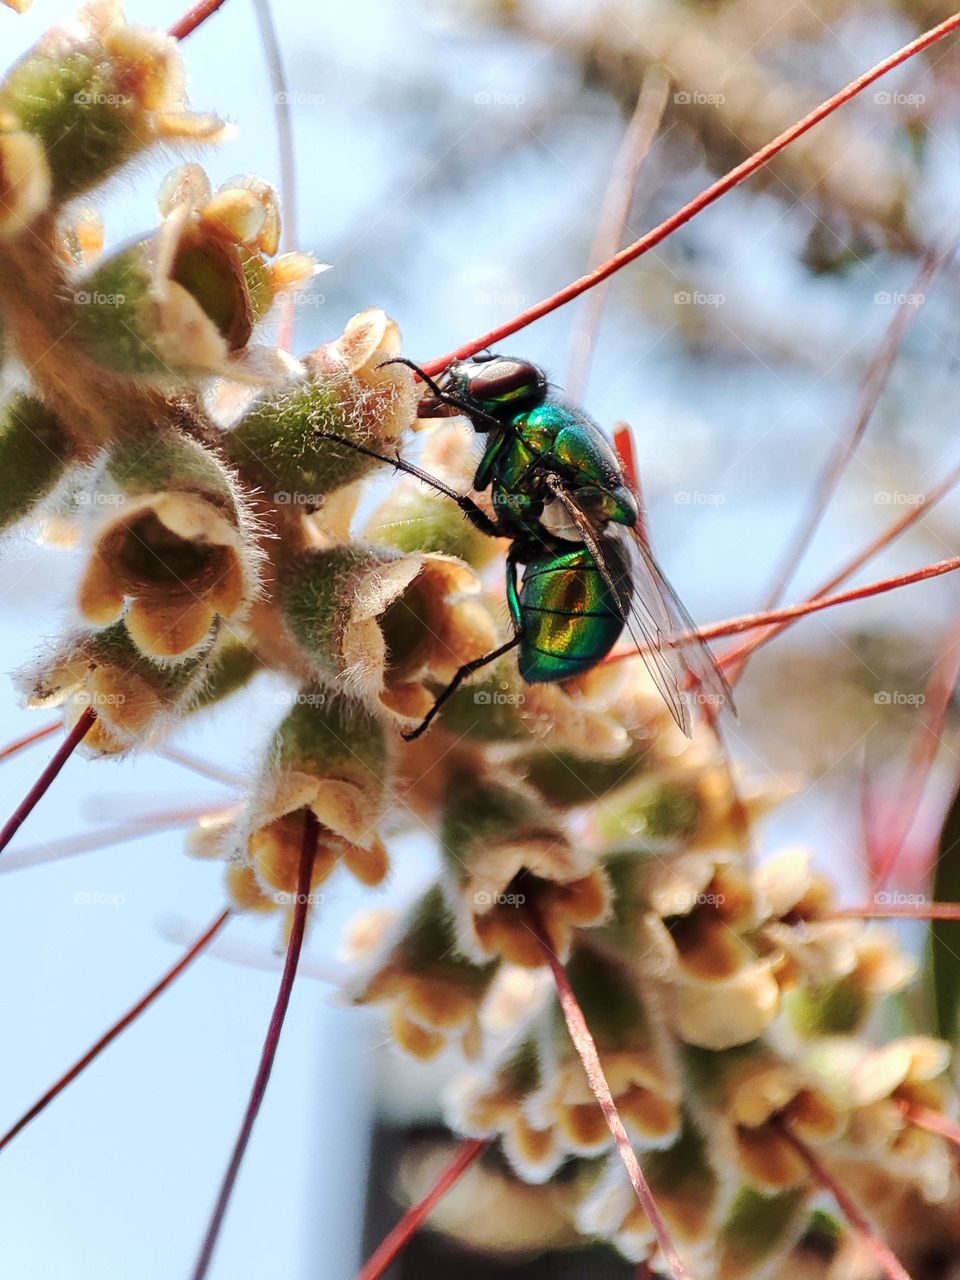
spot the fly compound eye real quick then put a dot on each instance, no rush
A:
(503, 381)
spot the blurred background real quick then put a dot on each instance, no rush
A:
(453, 164)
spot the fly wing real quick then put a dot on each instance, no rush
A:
(655, 616)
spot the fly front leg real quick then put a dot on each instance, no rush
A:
(474, 513)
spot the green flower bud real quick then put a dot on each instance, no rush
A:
(136, 700)
(175, 550)
(95, 97)
(398, 625)
(34, 454)
(434, 992)
(349, 393)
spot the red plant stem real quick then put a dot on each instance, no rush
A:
(932, 1121)
(38, 735)
(925, 748)
(873, 548)
(587, 1049)
(295, 945)
(118, 1027)
(194, 18)
(39, 788)
(706, 198)
(889, 1263)
(749, 621)
(397, 1240)
(901, 911)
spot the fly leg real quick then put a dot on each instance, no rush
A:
(474, 513)
(469, 668)
(466, 670)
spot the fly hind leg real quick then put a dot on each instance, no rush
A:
(465, 671)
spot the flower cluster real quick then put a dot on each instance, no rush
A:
(733, 1010)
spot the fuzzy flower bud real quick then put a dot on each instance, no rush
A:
(330, 757)
(395, 626)
(95, 92)
(35, 451)
(433, 991)
(506, 855)
(136, 700)
(349, 392)
(175, 550)
(186, 300)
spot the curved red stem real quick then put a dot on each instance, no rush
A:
(397, 1240)
(887, 1260)
(294, 947)
(28, 739)
(700, 202)
(38, 790)
(194, 18)
(750, 621)
(120, 1026)
(586, 1048)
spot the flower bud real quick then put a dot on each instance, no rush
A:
(329, 756)
(507, 856)
(186, 300)
(175, 551)
(687, 1190)
(348, 392)
(432, 990)
(35, 451)
(95, 92)
(136, 700)
(398, 625)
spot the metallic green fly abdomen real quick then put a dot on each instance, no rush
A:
(567, 616)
